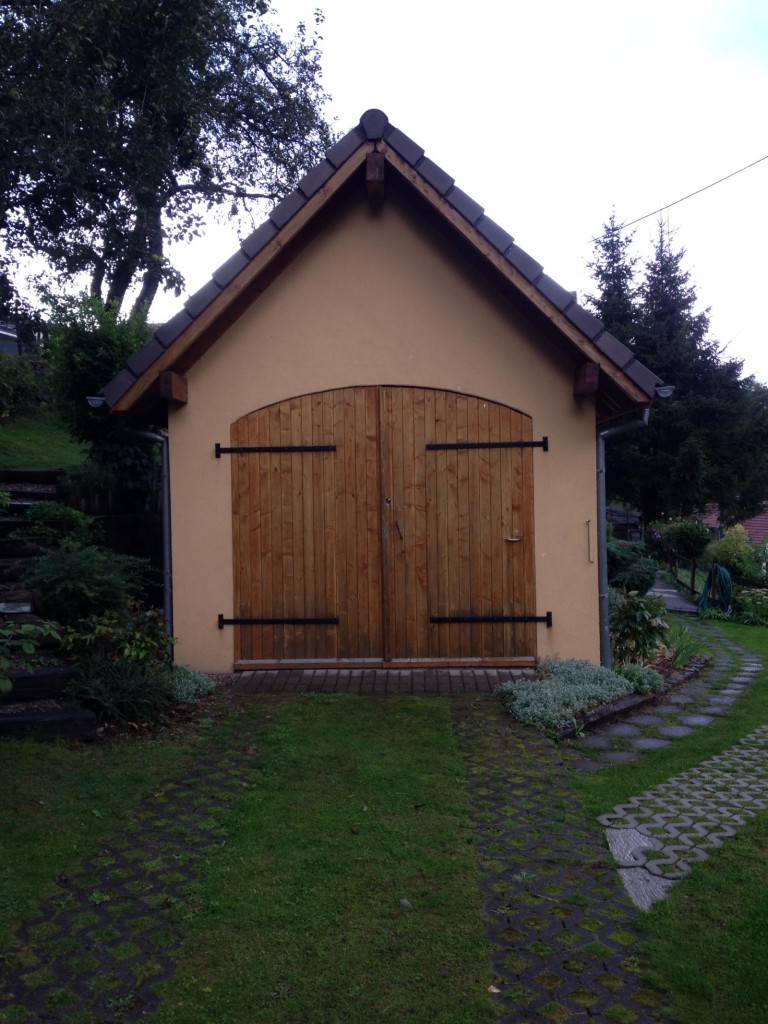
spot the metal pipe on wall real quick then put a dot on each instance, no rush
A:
(602, 527)
(162, 439)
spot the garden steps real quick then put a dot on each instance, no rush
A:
(56, 722)
(49, 683)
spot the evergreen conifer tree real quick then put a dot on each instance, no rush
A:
(706, 444)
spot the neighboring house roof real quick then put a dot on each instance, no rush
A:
(756, 527)
(177, 344)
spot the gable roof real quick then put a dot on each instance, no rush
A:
(179, 342)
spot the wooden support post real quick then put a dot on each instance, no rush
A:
(173, 387)
(374, 177)
(586, 380)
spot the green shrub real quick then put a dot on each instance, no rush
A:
(567, 690)
(642, 678)
(680, 645)
(19, 643)
(118, 690)
(638, 625)
(738, 555)
(49, 523)
(5, 501)
(750, 606)
(134, 632)
(629, 566)
(23, 385)
(678, 539)
(74, 582)
(189, 685)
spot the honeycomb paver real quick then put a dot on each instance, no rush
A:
(105, 939)
(561, 927)
(666, 829)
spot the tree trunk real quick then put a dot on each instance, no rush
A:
(154, 270)
(97, 279)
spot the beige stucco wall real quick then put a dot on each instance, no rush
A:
(378, 299)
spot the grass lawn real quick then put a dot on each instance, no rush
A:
(346, 891)
(38, 442)
(706, 942)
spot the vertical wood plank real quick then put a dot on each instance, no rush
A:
(464, 525)
(497, 575)
(432, 648)
(443, 565)
(476, 538)
(419, 529)
(453, 555)
(373, 521)
(331, 561)
(487, 551)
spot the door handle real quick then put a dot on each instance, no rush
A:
(512, 540)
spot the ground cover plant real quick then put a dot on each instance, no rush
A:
(704, 943)
(567, 689)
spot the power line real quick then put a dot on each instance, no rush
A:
(661, 209)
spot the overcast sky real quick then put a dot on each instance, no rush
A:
(551, 113)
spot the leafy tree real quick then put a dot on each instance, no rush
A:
(89, 344)
(613, 268)
(123, 121)
(706, 443)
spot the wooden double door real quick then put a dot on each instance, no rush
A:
(383, 525)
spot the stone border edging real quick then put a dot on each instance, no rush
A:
(623, 705)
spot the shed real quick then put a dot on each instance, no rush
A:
(382, 420)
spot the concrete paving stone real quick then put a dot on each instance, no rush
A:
(715, 709)
(645, 720)
(679, 698)
(734, 691)
(648, 743)
(675, 731)
(596, 742)
(622, 729)
(668, 709)
(716, 698)
(619, 756)
(697, 720)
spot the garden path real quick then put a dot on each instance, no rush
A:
(694, 705)
(561, 927)
(672, 598)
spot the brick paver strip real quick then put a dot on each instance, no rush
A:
(98, 948)
(560, 925)
(657, 835)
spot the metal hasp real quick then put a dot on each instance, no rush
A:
(473, 445)
(327, 621)
(443, 619)
(276, 449)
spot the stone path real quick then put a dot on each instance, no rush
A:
(561, 927)
(693, 705)
(100, 945)
(672, 597)
(656, 836)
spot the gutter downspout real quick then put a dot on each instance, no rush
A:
(162, 439)
(602, 527)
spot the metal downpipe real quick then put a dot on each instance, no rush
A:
(602, 528)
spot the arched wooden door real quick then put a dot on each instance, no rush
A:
(383, 525)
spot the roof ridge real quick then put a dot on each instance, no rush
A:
(374, 126)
